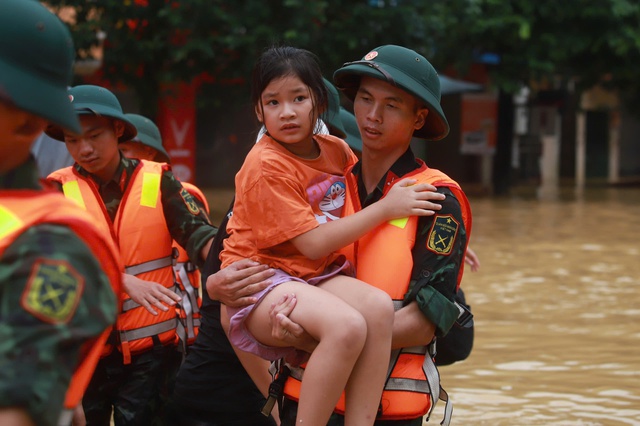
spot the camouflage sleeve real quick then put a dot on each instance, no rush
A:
(438, 255)
(54, 297)
(188, 223)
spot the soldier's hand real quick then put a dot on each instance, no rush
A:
(235, 284)
(287, 331)
(150, 294)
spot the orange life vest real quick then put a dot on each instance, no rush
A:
(145, 244)
(188, 279)
(383, 259)
(22, 209)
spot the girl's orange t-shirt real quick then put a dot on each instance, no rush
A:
(280, 196)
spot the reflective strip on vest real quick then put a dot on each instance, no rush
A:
(129, 304)
(150, 189)
(149, 266)
(148, 331)
(65, 418)
(9, 222)
(431, 386)
(71, 190)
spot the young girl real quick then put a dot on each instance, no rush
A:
(289, 193)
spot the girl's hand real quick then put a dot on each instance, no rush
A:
(406, 198)
(472, 259)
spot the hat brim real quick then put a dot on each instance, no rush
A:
(436, 126)
(129, 133)
(352, 137)
(34, 94)
(161, 156)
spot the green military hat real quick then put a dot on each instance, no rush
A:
(403, 68)
(149, 135)
(351, 129)
(36, 62)
(331, 116)
(96, 100)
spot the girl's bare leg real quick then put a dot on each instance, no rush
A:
(341, 332)
(364, 388)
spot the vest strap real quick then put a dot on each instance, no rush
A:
(149, 266)
(430, 386)
(405, 384)
(189, 305)
(448, 408)
(436, 391)
(181, 332)
(188, 265)
(148, 331)
(296, 372)
(182, 272)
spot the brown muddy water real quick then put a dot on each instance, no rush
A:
(557, 310)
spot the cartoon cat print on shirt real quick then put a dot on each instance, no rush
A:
(332, 203)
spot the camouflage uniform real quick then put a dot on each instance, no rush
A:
(191, 231)
(55, 298)
(433, 299)
(435, 272)
(139, 390)
(38, 357)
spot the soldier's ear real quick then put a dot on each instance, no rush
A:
(421, 117)
(118, 128)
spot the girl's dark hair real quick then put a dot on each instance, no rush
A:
(281, 61)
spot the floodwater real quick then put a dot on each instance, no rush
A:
(557, 312)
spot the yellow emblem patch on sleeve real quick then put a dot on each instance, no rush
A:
(190, 202)
(53, 291)
(442, 234)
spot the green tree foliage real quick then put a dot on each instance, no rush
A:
(149, 42)
(589, 41)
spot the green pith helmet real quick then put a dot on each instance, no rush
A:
(95, 100)
(36, 62)
(351, 129)
(149, 135)
(331, 116)
(405, 69)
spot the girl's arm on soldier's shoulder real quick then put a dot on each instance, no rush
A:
(404, 199)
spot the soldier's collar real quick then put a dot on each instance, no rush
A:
(405, 164)
(124, 165)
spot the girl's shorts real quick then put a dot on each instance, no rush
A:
(240, 336)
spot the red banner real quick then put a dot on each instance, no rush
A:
(479, 123)
(177, 123)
